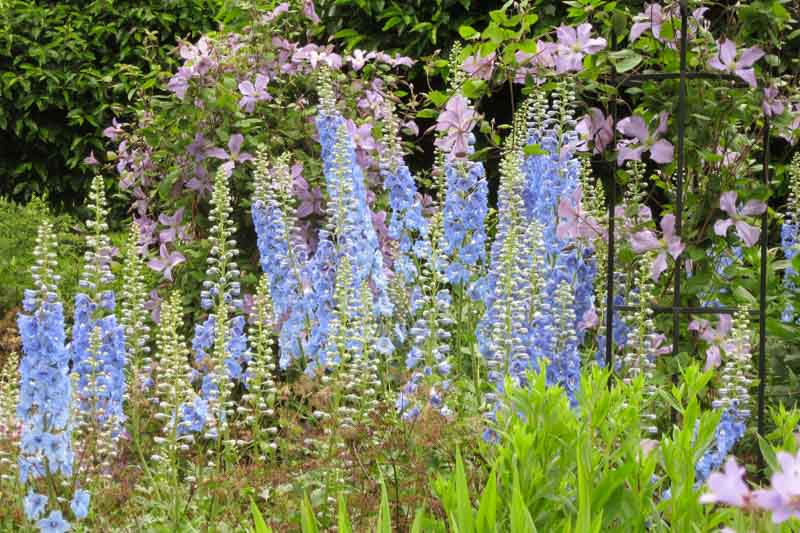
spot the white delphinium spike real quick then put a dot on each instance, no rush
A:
(133, 313)
(9, 425)
(640, 357)
(262, 391)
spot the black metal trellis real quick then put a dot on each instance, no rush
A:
(676, 310)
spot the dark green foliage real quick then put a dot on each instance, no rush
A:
(18, 227)
(67, 68)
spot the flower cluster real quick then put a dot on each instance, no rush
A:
(734, 397)
(100, 369)
(789, 235)
(45, 394)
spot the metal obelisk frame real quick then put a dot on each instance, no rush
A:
(676, 309)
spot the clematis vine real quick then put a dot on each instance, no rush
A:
(640, 140)
(717, 338)
(573, 45)
(456, 122)
(747, 232)
(772, 104)
(253, 93)
(166, 261)
(234, 154)
(783, 497)
(480, 67)
(669, 244)
(728, 487)
(726, 61)
(597, 128)
(574, 222)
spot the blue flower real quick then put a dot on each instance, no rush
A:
(80, 504)
(34, 505)
(54, 523)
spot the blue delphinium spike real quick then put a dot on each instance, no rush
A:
(94, 308)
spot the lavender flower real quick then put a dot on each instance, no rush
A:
(166, 261)
(641, 140)
(671, 244)
(748, 233)
(456, 122)
(597, 128)
(729, 487)
(783, 497)
(573, 44)
(234, 154)
(726, 61)
(252, 93)
(480, 67)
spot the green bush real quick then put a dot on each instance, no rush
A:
(67, 68)
(18, 228)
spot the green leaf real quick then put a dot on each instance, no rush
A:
(419, 519)
(625, 60)
(463, 505)
(308, 523)
(385, 514)
(343, 517)
(468, 32)
(486, 519)
(534, 149)
(769, 455)
(258, 519)
(521, 520)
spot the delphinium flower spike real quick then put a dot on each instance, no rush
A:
(171, 395)
(734, 397)
(262, 392)
(644, 344)
(133, 312)
(510, 286)
(407, 225)
(789, 236)
(428, 359)
(220, 344)
(45, 389)
(283, 257)
(9, 425)
(94, 308)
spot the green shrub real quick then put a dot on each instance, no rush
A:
(18, 227)
(67, 68)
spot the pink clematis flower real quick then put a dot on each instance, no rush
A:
(783, 497)
(597, 128)
(310, 199)
(573, 44)
(661, 150)
(716, 338)
(726, 61)
(174, 228)
(153, 304)
(233, 156)
(253, 92)
(644, 241)
(279, 10)
(310, 12)
(91, 160)
(589, 320)
(456, 122)
(574, 222)
(166, 261)
(480, 67)
(748, 233)
(728, 487)
(533, 64)
(772, 104)
(657, 346)
(115, 130)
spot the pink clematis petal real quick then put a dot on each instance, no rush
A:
(753, 207)
(643, 241)
(727, 202)
(633, 127)
(662, 151)
(749, 234)
(721, 226)
(713, 358)
(750, 56)
(659, 266)
(727, 52)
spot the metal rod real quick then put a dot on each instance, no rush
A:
(612, 199)
(665, 76)
(762, 299)
(688, 310)
(676, 331)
